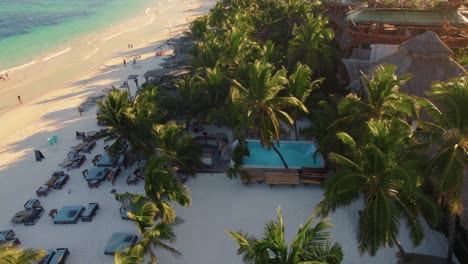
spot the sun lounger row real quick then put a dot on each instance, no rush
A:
(57, 256)
(31, 215)
(57, 181)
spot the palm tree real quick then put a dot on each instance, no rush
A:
(256, 92)
(178, 147)
(126, 122)
(16, 255)
(300, 86)
(191, 99)
(324, 128)
(382, 100)
(311, 245)
(162, 188)
(198, 28)
(144, 212)
(311, 45)
(386, 174)
(129, 256)
(449, 133)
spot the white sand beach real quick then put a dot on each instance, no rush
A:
(57, 86)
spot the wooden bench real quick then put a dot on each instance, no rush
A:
(313, 175)
(280, 178)
(254, 175)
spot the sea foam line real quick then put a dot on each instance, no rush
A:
(91, 54)
(18, 67)
(57, 54)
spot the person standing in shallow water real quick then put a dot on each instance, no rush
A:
(125, 62)
(19, 100)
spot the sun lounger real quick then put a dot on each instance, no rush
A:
(43, 191)
(88, 147)
(60, 256)
(123, 212)
(34, 216)
(32, 203)
(6, 235)
(78, 147)
(90, 212)
(13, 242)
(132, 179)
(68, 215)
(94, 183)
(119, 241)
(46, 259)
(60, 181)
(76, 163)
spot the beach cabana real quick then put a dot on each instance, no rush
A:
(68, 214)
(119, 241)
(396, 25)
(425, 56)
(157, 75)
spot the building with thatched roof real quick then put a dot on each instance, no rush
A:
(396, 25)
(425, 56)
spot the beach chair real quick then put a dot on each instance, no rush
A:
(94, 183)
(60, 256)
(6, 235)
(46, 259)
(132, 179)
(32, 203)
(34, 216)
(43, 191)
(90, 212)
(61, 181)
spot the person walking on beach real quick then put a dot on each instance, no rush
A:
(125, 62)
(134, 61)
(80, 110)
(19, 100)
(8, 77)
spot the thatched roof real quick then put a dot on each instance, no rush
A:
(414, 17)
(425, 56)
(158, 73)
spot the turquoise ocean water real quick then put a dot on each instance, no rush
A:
(30, 28)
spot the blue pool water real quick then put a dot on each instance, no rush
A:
(296, 154)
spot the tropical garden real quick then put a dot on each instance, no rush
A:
(258, 65)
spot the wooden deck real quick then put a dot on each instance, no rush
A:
(280, 176)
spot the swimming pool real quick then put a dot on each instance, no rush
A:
(296, 153)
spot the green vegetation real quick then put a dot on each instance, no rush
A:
(260, 64)
(17, 255)
(311, 244)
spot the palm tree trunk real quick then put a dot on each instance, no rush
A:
(280, 155)
(399, 246)
(451, 238)
(296, 132)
